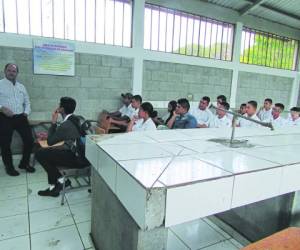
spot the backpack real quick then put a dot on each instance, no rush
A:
(84, 127)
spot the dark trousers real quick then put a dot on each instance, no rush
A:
(7, 126)
(51, 158)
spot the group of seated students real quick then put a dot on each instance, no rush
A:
(135, 115)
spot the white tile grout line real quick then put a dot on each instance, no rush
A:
(213, 244)
(77, 229)
(177, 236)
(30, 246)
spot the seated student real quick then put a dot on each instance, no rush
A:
(171, 108)
(251, 113)
(181, 118)
(65, 155)
(294, 119)
(221, 120)
(144, 120)
(125, 111)
(242, 109)
(136, 102)
(276, 118)
(202, 114)
(265, 112)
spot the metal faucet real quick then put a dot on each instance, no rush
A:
(236, 115)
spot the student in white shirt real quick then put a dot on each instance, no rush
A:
(294, 119)
(136, 102)
(265, 113)
(202, 114)
(220, 119)
(143, 121)
(251, 113)
(276, 118)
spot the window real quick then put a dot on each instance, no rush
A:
(178, 32)
(100, 21)
(266, 49)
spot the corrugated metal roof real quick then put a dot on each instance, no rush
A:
(286, 12)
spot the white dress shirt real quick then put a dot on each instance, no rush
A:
(14, 97)
(246, 123)
(202, 116)
(265, 115)
(140, 125)
(290, 122)
(126, 110)
(223, 122)
(278, 122)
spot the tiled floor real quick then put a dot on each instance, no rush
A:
(31, 222)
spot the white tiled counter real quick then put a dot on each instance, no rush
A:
(164, 178)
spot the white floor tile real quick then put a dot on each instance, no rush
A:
(81, 212)
(84, 231)
(17, 243)
(224, 245)
(37, 177)
(13, 226)
(37, 203)
(50, 219)
(216, 228)
(6, 180)
(13, 192)
(174, 243)
(78, 196)
(65, 238)
(197, 234)
(13, 207)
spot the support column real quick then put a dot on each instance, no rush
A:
(236, 63)
(295, 90)
(138, 45)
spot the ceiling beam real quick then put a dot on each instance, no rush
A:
(251, 6)
(276, 10)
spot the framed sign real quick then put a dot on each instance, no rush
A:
(53, 57)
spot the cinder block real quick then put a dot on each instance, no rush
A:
(90, 82)
(89, 59)
(111, 61)
(127, 62)
(159, 76)
(82, 70)
(121, 73)
(99, 71)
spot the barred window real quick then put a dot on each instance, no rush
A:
(179, 32)
(266, 49)
(100, 21)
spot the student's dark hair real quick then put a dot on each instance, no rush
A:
(253, 104)
(222, 97)
(173, 104)
(279, 105)
(68, 103)
(137, 98)
(296, 109)
(225, 105)
(7, 65)
(148, 108)
(243, 105)
(183, 102)
(269, 100)
(206, 98)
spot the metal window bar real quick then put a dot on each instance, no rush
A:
(227, 43)
(173, 31)
(221, 48)
(114, 22)
(151, 29)
(186, 34)
(204, 44)
(158, 28)
(17, 19)
(166, 32)
(199, 32)
(192, 49)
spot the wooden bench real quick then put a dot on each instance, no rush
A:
(287, 239)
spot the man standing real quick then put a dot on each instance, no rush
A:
(14, 109)
(265, 113)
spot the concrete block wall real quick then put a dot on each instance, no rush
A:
(167, 81)
(97, 83)
(253, 86)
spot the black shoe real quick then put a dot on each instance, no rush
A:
(11, 171)
(27, 168)
(54, 192)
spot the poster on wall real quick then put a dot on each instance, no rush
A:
(53, 57)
